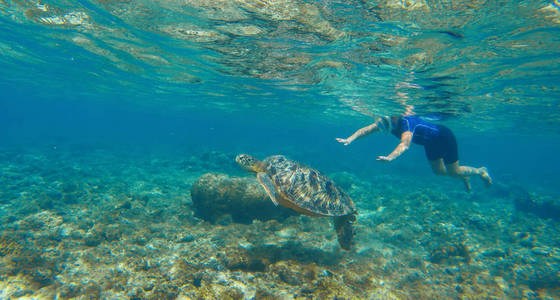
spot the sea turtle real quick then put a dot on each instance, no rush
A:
(304, 190)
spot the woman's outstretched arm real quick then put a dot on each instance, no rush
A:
(406, 138)
(360, 133)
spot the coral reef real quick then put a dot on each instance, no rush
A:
(130, 231)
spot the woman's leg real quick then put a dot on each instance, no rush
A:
(440, 168)
(463, 172)
(455, 170)
(446, 148)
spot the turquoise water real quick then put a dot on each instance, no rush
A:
(112, 110)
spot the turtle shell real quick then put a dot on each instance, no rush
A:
(308, 188)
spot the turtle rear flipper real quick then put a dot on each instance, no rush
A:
(268, 186)
(345, 230)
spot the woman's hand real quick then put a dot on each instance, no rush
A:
(384, 158)
(344, 141)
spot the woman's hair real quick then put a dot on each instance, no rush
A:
(385, 124)
(395, 124)
(389, 123)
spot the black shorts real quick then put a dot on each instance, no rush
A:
(443, 146)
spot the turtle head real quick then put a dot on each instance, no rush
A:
(249, 163)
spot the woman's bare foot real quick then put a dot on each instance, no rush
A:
(485, 176)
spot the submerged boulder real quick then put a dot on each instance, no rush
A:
(543, 207)
(215, 196)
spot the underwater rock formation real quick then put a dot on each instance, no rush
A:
(216, 195)
(544, 207)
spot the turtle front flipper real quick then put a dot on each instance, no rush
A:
(345, 230)
(268, 186)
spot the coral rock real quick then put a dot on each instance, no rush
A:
(216, 195)
(544, 207)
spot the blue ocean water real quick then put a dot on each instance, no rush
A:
(111, 110)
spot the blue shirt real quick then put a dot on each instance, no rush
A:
(423, 132)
